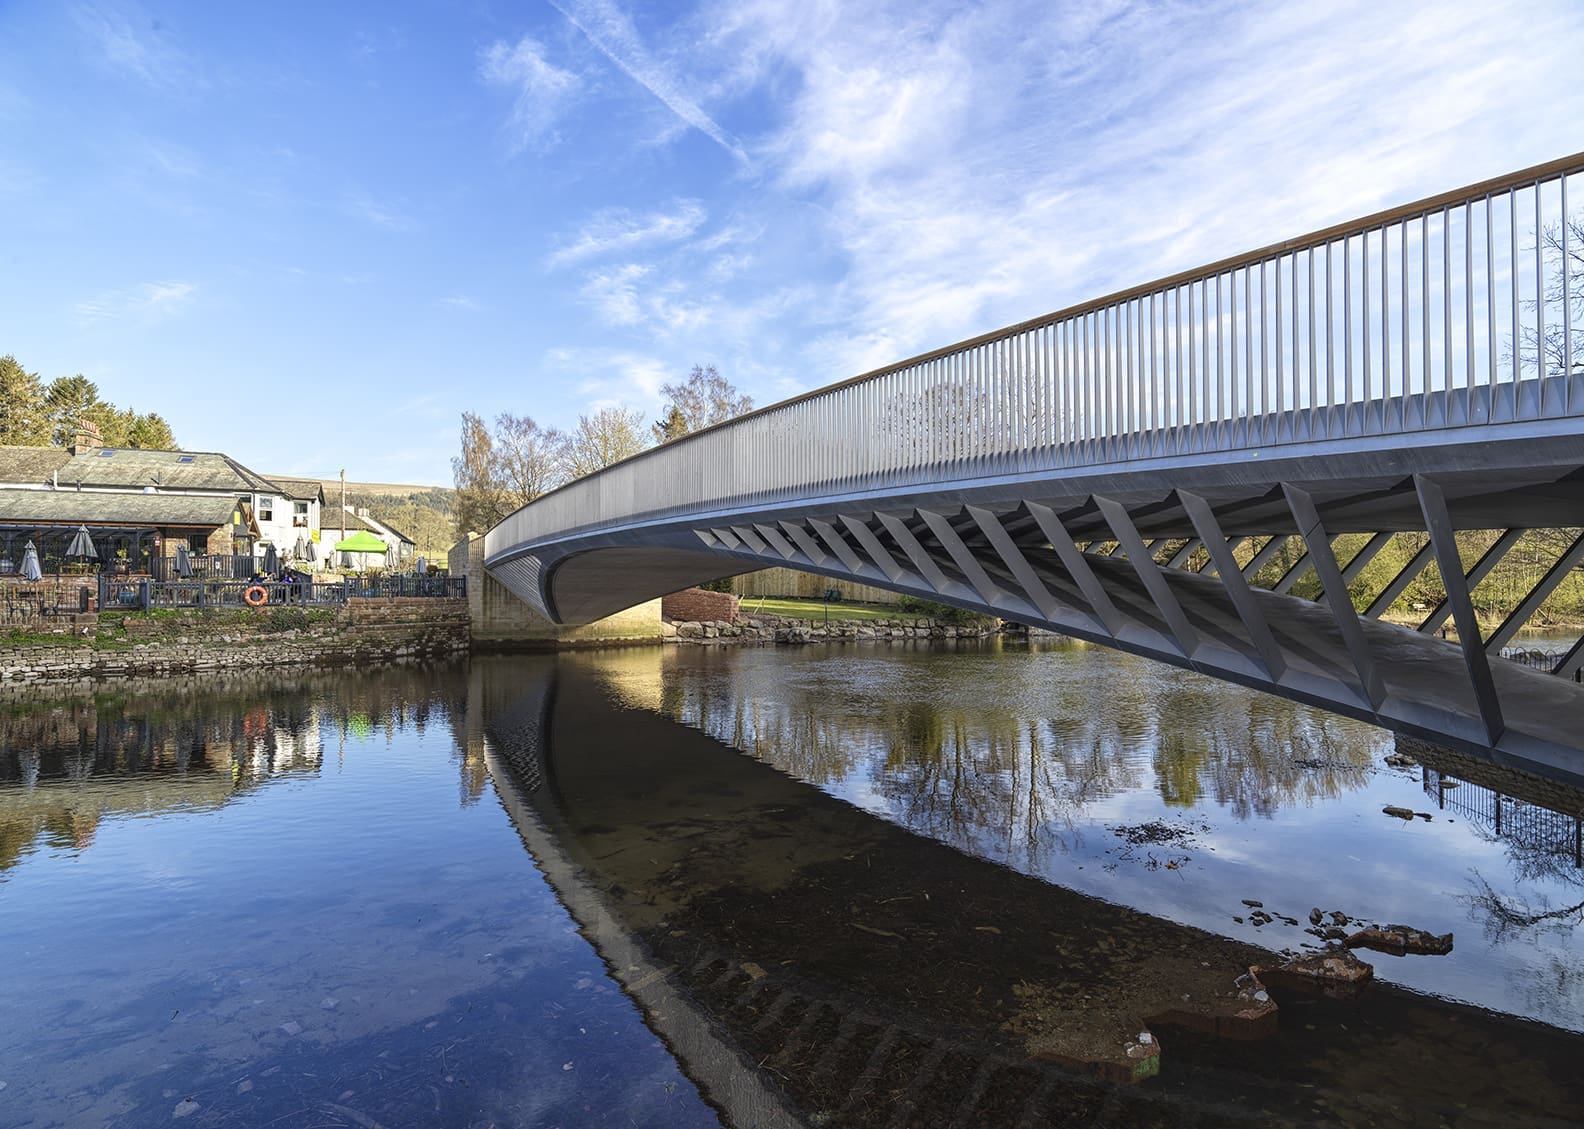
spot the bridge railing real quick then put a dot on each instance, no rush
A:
(1454, 311)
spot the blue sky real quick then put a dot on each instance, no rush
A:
(311, 235)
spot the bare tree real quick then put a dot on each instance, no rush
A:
(530, 460)
(480, 497)
(1562, 245)
(703, 400)
(500, 471)
(608, 436)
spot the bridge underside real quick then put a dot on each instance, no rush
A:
(1158, 561)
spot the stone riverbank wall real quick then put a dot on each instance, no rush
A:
(364, 632)
(774, 629)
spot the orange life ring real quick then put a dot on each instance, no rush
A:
(256, 596)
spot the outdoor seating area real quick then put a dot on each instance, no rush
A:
(27, 604)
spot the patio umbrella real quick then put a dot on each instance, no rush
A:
(82, 546)
(362, 542)
(310, 555)
(298, 551)
(183, 563)
(30, 563)
(271, 559)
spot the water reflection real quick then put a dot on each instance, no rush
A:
(291, 900)
(876, 976)
(305, 884)
(1057, 759)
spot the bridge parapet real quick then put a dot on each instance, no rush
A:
(1441, 315)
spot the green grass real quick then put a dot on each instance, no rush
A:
(815, 609)
(40, 639)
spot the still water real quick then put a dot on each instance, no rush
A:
(911, 885)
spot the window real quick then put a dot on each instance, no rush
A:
(266, 508)
(185, 459)
(105, 452)
(300, 514)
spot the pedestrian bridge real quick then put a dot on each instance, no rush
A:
(1173, 471)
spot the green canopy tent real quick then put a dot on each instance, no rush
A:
(361, 542)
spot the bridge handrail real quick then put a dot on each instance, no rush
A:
(1427, 316)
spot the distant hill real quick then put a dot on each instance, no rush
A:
(421, 512)
(332, 486)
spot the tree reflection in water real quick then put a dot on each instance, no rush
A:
(993, 746)
(194, 744)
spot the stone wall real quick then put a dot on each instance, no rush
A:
(364, 632)
(1510, 780)
(774, 629)
(697, 605)
(502, 622)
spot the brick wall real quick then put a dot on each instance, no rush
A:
(794, 582)
(694, 605)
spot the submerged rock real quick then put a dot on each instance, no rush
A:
(1400, 940)
(1336, 973)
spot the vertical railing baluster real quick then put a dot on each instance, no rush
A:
(1540, 339)
(1490, 310)
(1468, 311)
(1567, 309)
(1424, 262)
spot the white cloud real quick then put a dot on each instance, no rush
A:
(974, 166)
(617, 229)
(612, 33)
(150, 301)
(379, 213)
(126, 47)
(460, 302)
(543, 89)
(612, 377)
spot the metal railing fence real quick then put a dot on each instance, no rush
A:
(143, 593)
(1454, 311)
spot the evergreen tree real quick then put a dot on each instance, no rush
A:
(22, 414)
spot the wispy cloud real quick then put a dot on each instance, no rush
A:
(614, 293)
(131, 42)
(617, 229)
(542, 88)
(613, 377)
(460, 302)
(965, 176)
(378, 213)
(150, 301)
(612, 33)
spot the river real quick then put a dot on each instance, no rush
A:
(861, 884)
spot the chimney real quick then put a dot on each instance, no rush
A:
(88, 437)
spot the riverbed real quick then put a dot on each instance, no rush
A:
(857, 884)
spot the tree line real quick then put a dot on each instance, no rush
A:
(503, 468)
(35, 414)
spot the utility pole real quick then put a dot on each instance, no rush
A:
(343, 504)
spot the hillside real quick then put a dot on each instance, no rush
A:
(421, 512)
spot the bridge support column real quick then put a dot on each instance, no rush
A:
(499, 621)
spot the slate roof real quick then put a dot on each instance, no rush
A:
(95, 507)
(173, 470)
(31, 465)
(131, 468)
(299, 489)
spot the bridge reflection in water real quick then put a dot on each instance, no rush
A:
(812, 964)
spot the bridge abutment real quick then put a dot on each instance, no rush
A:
(500, 621)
